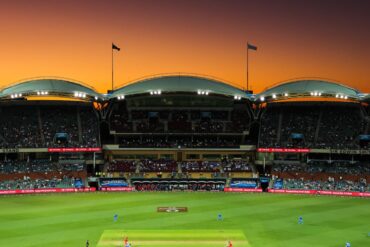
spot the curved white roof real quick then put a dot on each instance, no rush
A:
(50, 87)
(180, 83)
(308, 88)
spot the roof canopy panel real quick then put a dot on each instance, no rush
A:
(180, 83)
(365, 97)
(307, 88)
(52, 87)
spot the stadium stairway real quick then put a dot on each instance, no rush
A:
(318, 126)
(79, 125)
(128, 180)
(228, 181)
(137, 169)
(179, 169)
(279, 126)
(39, 120)
(254, 169)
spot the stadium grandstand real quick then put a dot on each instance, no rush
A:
(184, 132)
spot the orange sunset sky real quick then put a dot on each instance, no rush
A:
(295, 38)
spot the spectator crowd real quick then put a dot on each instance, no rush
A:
(310, 125)
(48, 126)
(318, 176)
(188, 128)
(171, 166)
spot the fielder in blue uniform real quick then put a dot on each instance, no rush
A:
(219, 217)
(300, 220)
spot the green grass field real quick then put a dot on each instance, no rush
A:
(265, 220)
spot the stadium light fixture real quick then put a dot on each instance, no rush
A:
(155, 92)
(202, 92)
(274, 96)
(286, 94)
(262, 98)
(14, 96)
(76, 94)
(346, 97)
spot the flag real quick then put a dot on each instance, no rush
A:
(115, 47)
(252, 47)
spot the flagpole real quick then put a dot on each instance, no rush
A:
(112, 69)
(247, 68)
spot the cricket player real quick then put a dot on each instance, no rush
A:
(300, 220)
(115, 217)
(229, 244)
(219, 217)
